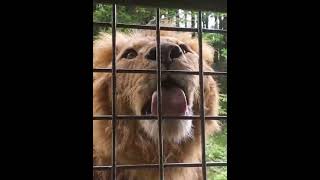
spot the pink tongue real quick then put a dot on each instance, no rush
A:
(173, 102)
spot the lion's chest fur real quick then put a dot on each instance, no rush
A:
(134, 147)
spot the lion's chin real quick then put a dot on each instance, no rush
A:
(175, 131)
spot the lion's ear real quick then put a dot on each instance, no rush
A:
(102, 49)
(207, 51)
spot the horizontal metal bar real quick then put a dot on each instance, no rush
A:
(148, 117)
(154, 71)
(216, 163)
(136, 166)
(163, 28)
(169, 165)
(210, 5)
(195, 164)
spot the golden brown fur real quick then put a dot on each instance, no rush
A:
(133, 144)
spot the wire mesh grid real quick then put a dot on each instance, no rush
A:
(114, 117)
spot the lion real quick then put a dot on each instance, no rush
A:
(136, 94)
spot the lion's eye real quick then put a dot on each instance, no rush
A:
(184, 48)
(129, 54)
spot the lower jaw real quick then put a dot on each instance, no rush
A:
(173, 130)
(177, 131)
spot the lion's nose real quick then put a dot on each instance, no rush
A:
(169, 52)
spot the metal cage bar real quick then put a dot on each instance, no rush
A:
(169, 165)
(162, 28)
(114, 86)
(202, 114)
(158, 58)
(114, 117)
(154, 71)
(150, 117)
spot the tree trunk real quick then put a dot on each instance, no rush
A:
(177, 18)
(224, 23)
(206, 20)
(203, 20)
(185, 19)
(193, 24)
(216, 25)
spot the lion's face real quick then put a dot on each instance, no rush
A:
(178, 90)
(137, 92)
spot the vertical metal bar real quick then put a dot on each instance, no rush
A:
(114, 13)
(159, 96)
(202, 115)
(94, 6)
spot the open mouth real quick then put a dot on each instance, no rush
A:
(173, 99)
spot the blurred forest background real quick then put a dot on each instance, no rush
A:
(216, 146)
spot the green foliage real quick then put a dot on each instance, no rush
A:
(168, 13)
(102, 13)
(216, 151)
(216, 146)
(215, 38)
(224, 53)
(218, 42)
(125, 14)
(217, 173)
(223, 105)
